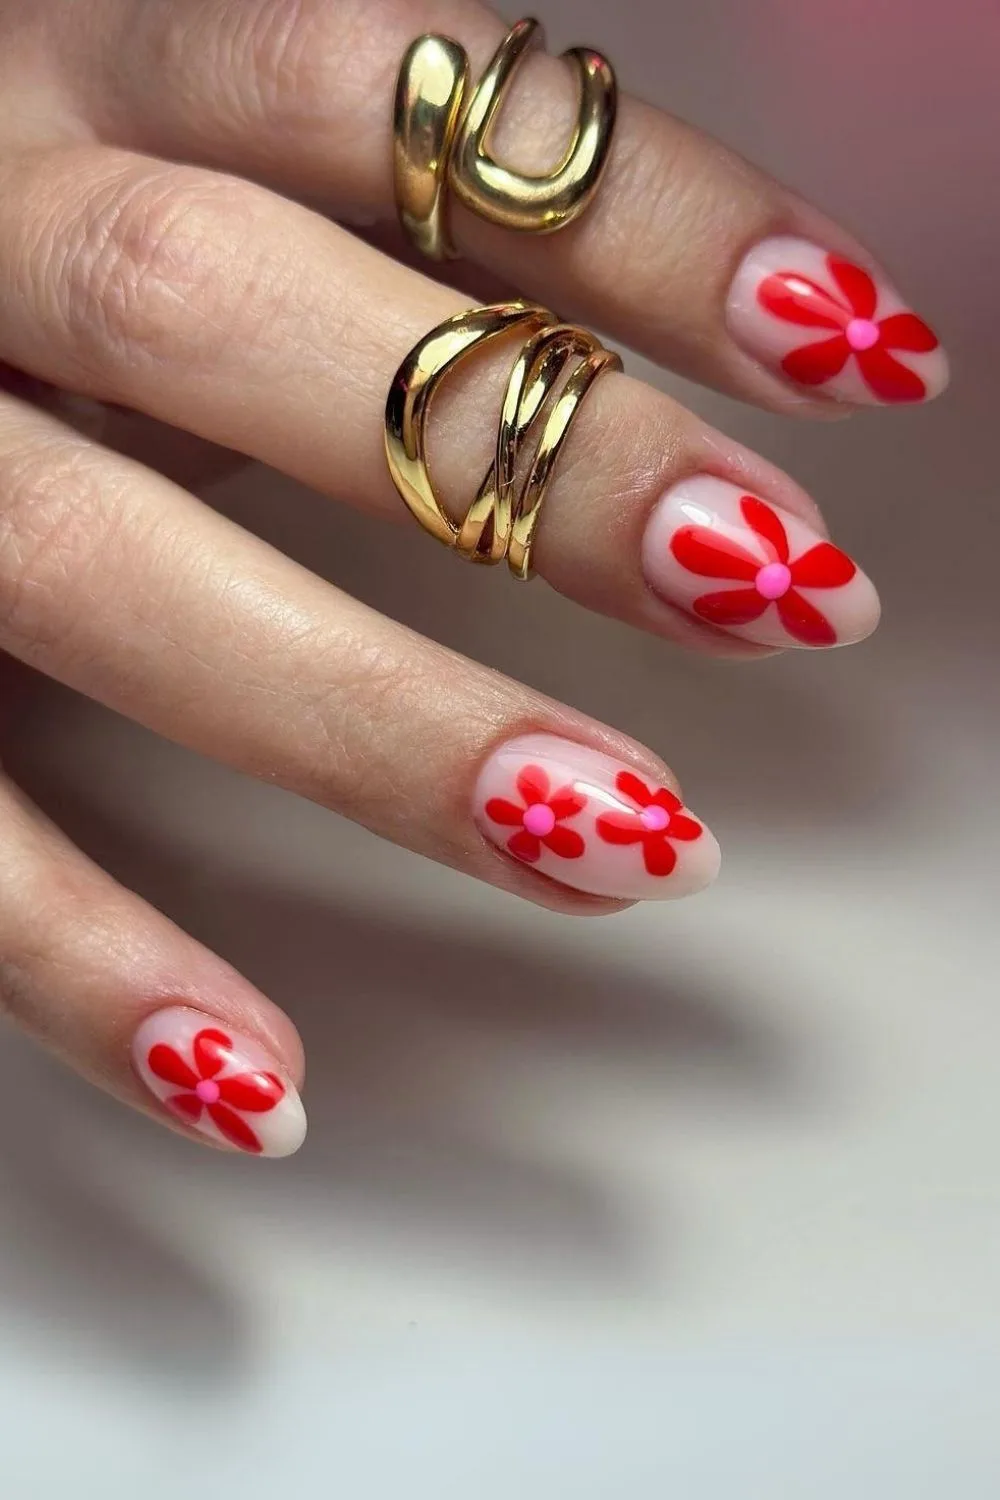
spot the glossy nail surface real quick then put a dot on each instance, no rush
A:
(739, 563)
(591, 822)
(219, 1083)
(829, 325)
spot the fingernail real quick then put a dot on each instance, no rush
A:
(219, 1083)
(591, 822)
(755, 571)
(831, 326)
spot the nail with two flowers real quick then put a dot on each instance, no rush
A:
(591, 822)
(832, 327)
(756, 571)
(218, 1083)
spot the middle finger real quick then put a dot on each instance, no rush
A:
(221, 308)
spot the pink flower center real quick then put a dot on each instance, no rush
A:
(539, 819)
(654, 818)
(861, 333)
(208, 1091)
(773, 581)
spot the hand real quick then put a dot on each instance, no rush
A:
(169, 179)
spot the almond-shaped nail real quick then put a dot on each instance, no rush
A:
(758, 572)
(831, 326)
(592, 822)
(221, 1084)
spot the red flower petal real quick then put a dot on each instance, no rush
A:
(888, 378)
(233, 1128)
(253, 1091)
(658, 855)
(823, 567)
(666, 799)
(684, 828)
(499, 810)
(566, 803)
(533, 785)
(712, 555)
(767, 524)
(906, 331)
(171, 1067)
(731, 607)
(565, 842)
(815, 363)
(525, 845)
(629, 784)
(620, 828)
(804, 621)
(856, 285)
(212, 1050)
(188, 1106)
(796, 299)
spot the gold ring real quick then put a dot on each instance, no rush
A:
(502, 520)
(441, 140)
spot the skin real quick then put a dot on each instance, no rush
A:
(170, 174)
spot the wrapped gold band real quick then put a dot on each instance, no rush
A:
(441, 140)
(502, 520)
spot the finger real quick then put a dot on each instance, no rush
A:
(121, 585)
(731, 279)
(219, 308)
(139, 1008)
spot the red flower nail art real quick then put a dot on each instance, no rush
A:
(225, 1098)
(540, 817)
(850, 310)
(711, 555)
(659, 817)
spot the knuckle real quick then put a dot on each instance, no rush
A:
(678, 200)
(60, 518)
(285, 56)
(348, 759)
(140, 272)
(51, 921)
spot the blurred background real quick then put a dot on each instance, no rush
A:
(702, 1196)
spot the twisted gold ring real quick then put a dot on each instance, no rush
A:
(502, 520)
(440, 140)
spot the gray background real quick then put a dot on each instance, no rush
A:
(702, 1196)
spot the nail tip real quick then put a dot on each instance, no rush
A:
(698, 878)
(294, 1143)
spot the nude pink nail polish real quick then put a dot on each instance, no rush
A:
(591, 822)
(738, 562)
(831, 326)
(223, 1085)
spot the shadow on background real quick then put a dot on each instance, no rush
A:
(420, 1044)
(76, 1259)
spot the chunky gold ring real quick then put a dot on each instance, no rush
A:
(440, 140)
(502, 520)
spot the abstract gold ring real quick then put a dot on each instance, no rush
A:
(441, 140)
(556, 367)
